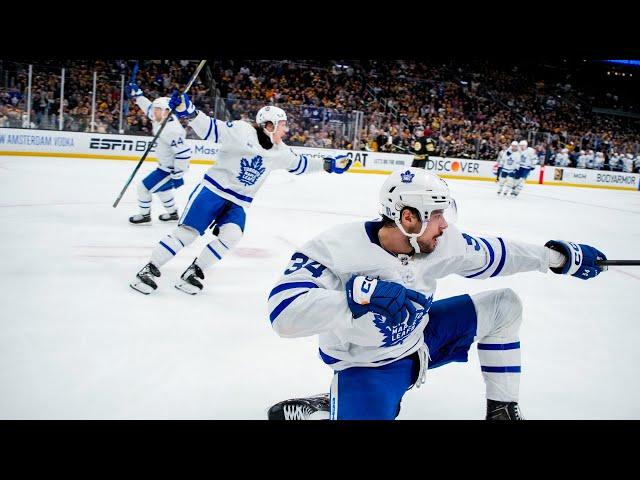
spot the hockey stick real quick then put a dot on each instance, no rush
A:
(624, 263)
(164, 122)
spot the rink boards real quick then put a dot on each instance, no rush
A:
(51, 143)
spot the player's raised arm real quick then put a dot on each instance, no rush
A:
(206, 127)
(494, 256)
(134, 92)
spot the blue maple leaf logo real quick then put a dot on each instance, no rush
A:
(250, 172)
(394, 335)
(407, 176)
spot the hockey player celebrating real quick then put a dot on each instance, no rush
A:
(528, 160)
(247, 154)
(510, 165)
(562, 158)
(367, 290)
(497, 167)
(598, 161)
(173, 159)
(627, 162)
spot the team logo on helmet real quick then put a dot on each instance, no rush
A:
(251, 172)
(407, 176)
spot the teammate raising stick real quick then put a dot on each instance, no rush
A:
(366, 288)
(247, 154)
(173, 159)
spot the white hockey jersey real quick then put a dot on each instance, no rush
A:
(562, 159)
(242, 165)
(528, 158)
(510, 160)
(597, 162)
(310, 298)
(582, 161)
(172, 150)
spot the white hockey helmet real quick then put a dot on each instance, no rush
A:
(270, 114)
(514, 144)
(161, 102)
(416, 188)
(523, 143)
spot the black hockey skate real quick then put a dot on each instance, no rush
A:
(309, 408)
(503, 411)
(140, 219)
(169, 217)
(144, 282)
(189, 282)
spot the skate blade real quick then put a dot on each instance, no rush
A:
(144, 224)
(187, 288)
(135, 287)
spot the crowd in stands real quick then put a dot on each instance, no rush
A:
(156, 78)
(470, 109)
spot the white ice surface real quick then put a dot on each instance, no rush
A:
(77, 343)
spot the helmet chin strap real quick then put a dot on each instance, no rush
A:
(413, 237)
(270, 135)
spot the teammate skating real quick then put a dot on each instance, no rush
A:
(528, 161)
(366, 289)
(247, 154)
(509, 163)
(173, 156)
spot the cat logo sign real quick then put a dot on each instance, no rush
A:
(359, 159)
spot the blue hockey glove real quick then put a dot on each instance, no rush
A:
(337, 164)
(389, 299)
(132, 90)
(181, 104)
(581, 259)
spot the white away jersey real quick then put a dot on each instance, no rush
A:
(510, 160)
(242, 165)
(309, 298)
(172, 150)
(528, 158)
(562, 160)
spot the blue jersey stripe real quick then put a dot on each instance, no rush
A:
(491, 258)
(297, 167)
(306, 162)
(185, 150)
(502, 260)
(498, 346)
(282, 305)
(287, 286)
(177, 240)
(329, 360)
(223, 244)
(167, 247)
(511, 369)
(226, 190)
(214, 252)
(209, 131)
(183, 158)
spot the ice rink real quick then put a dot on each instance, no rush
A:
(77, 343)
